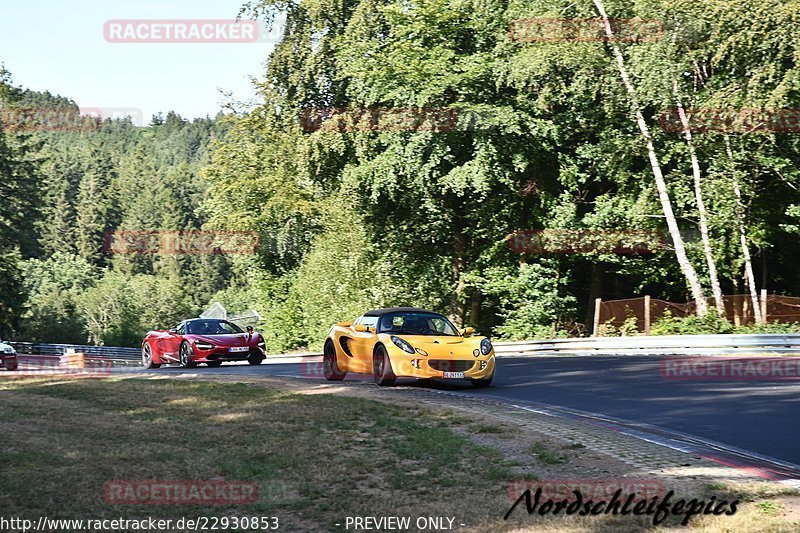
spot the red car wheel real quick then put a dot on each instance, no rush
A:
(186, 356)
(147, 357)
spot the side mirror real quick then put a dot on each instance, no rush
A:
(250, 330)
(468, 332)
(173, 330)
(363, 328)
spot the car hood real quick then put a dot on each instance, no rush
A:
(235, 339)
(4, 347)
(436, 345)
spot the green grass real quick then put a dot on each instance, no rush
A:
(769, 507)
(545, 456)
(315, 458)
(487, 429)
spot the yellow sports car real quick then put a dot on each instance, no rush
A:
(407, 342)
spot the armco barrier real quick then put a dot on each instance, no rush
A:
(117, 355)
(127, 357)
(39, 348)
(635, 345)
(655, 345)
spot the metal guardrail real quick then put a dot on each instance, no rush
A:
(122, 356)
(118, 355)
(634, 345)
(656, 345)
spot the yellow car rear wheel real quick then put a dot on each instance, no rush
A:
(329, 365)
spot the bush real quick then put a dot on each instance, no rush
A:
(774, 327)
(710, 324)
(535, 301)
(120, 309)
(629, 328)
(53, 287)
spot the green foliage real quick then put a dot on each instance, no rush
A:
(337, 281)
(709, 324)
(72, 301)
(64, 192)
(772, 327)
(53, 286)
(11, 290)
(629, 327)
(351, 218)
(534, 300)
(120, 309)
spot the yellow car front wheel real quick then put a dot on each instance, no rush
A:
(382, 367)
(480, 383)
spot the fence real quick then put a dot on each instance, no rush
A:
(738, 310)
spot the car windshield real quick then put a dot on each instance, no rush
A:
(212, 327)
(410, 323)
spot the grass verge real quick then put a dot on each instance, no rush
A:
(316, 458)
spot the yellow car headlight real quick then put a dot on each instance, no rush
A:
(402, 344)
(486, 346)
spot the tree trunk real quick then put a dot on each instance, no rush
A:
(595, 291)
(701, 208)
(749, 278)
(457, 264)
(680, 251)
(475, 307)
(737, 316)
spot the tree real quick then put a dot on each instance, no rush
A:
(666, 205)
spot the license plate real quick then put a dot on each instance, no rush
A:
(454, 375)
(238, 349)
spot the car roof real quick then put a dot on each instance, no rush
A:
(388, 310)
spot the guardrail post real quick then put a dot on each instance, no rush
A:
(596, 324)
(647, 314)
(764, 306)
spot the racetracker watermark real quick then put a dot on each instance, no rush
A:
(180, 492)
(69, 366)
(85, 119)
(730, 368)
(750, 120)
(563, 241)
(374, 119)
(188, 242)
(316, 370)
(587, 30)
(595, 489)
(189, 31)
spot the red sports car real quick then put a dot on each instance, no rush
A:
(202, 340)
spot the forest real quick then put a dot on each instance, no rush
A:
(396, 149)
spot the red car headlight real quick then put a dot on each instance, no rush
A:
(204, 346)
